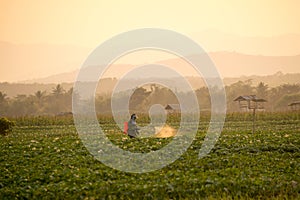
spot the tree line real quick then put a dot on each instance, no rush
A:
(59, 101)
(39, 103)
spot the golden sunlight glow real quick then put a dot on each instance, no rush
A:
(86, 23)
(50, 37)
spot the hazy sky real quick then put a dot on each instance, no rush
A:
(88, 23)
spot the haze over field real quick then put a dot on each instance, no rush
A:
(229, 64)
(41, 39)
(63, 63)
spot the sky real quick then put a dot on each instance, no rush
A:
(85, 23)
(88, 23)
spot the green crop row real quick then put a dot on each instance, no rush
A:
(44, 158)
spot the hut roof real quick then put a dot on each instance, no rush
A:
(294, 103)
(249, 98)
(172, 107)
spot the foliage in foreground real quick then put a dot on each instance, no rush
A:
(50, 161)
(5, 126)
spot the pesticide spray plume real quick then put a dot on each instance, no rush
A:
(164, 132)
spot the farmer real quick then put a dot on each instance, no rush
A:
(132, 127)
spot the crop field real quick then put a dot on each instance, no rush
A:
(43, 158)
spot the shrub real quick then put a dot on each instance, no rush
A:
(5, 126)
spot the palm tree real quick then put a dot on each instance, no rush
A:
(39, 95)
(58, 90)
(39, 99)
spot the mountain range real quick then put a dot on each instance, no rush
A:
(229, 65)
(234, 56)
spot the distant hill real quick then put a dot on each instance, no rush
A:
(233, 64)
(68, 77)
(229, 64)
(272, 80)
(40, 60)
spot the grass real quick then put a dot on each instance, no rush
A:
(44, 158)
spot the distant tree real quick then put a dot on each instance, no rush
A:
(67, 100)
(58, 90)
(289, 88)
(3, 97)
(39, 94)
(3, 104)
(22, 105)
(203, 97)
(70, 91)
(138, 99)
(262, 90)
(237, 89)
(39, 100)
(59, 101)
(103, 104)
(285, 100)
(276, 95)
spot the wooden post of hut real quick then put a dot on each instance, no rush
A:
(251, 102)
(253, 120)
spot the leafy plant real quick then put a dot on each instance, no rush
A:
(5, 126)
(45, 159)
